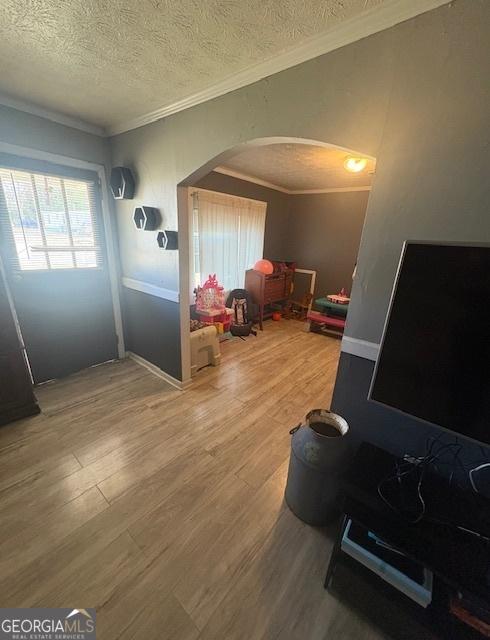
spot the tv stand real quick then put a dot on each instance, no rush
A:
(440, 542)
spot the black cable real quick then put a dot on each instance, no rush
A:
(420, 464)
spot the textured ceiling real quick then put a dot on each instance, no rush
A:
(107, 61)
(300, 167)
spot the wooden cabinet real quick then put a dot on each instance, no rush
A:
(16, 396)
(267, 289)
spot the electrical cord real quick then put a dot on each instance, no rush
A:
(433, 458)
(473, 471)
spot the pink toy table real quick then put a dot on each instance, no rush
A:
(317, 318)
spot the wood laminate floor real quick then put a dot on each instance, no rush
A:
(164, 509)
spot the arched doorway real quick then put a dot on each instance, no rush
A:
(252, 150)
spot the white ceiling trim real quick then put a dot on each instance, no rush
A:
(243, 176)
(54, 116)
(332, 190)
(365, 24)
(270, 185)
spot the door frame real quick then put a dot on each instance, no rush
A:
(99, 169)
(184, 213)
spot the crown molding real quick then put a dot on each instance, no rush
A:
(243, 176)
(305, 192)
(290, 192)
(379, 18)
(367, 23)
(48, 114)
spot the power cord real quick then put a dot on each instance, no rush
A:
(418, 466)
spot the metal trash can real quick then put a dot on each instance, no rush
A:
(318, 455)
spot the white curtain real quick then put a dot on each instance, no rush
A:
(229, 237)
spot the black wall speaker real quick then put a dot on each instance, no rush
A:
(146, 218)
(122, 183)
(168, 239)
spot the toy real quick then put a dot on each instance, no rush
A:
(333, 315)
(316, 321)
(197, 324)
(298, 308)
(264, 266)
(339, 298)
(210, 304)
(211, 296)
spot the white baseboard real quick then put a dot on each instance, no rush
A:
(152, 368)
(360, 348)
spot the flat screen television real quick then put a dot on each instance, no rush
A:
(434, 358)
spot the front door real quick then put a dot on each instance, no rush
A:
(53, 245)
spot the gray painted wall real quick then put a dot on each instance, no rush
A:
(414, 96)
(319, 231)
(152, 330)
(372, 422)
(26, 130)
(324, 234)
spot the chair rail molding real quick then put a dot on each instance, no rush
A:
(360, 348)
(151, 289)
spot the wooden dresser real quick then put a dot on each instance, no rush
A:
(268, 289)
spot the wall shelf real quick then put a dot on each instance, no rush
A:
(146, 218)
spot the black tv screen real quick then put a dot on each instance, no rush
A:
(434, 359)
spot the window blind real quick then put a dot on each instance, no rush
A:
(48, 221)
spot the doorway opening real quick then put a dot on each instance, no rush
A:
(58, 263)
(315, 197)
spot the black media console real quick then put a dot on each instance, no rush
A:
(450, 542)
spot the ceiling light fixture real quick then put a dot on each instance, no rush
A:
(355, 165)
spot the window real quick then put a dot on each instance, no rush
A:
(228, 236)
(50, 220)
